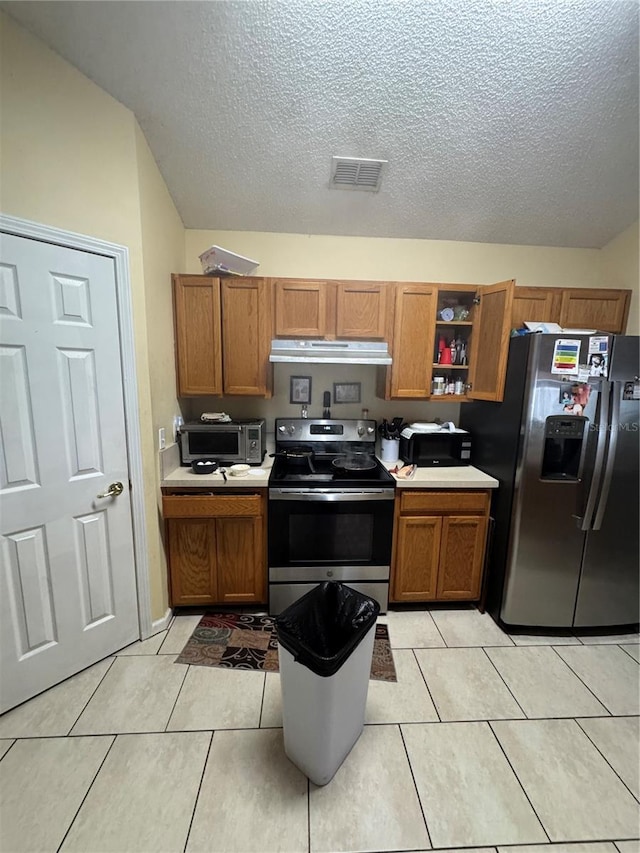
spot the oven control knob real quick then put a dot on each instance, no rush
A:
(360, 430)
(329, 574)
(282, 428)
(370, 430)
(291, 429)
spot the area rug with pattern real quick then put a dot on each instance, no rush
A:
(245, 641)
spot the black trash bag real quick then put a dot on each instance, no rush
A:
(322, 628)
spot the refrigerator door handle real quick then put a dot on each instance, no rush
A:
(611, 457)
(601, 426)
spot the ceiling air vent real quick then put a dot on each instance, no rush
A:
(356, 173)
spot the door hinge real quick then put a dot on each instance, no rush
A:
(476, 299)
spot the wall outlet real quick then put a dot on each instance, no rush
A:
(162, 442)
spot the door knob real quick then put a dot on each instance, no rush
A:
(113, 491)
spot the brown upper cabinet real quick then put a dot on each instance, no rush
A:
(413, 341)
(223, 335)
(472, 321)
(198, 331)
(606, 310)
(540, 304)
(572, 308)
(306, 308)
(490, 341)
(246, 336)
(224, 328)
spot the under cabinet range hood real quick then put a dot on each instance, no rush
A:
(330, 352)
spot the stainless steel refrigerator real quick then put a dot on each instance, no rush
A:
(564, 446)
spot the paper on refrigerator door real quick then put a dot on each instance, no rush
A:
(598, 355)
(566, 356)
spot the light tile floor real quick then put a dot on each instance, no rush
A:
(488, 742)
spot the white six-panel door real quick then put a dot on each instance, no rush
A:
(67, 578)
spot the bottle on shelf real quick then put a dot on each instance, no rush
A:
(437, 385)
(458, 359)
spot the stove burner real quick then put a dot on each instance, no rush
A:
(327, 442)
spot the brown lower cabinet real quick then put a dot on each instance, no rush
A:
(216, 547)
(439, 545)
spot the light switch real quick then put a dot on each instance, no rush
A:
(162, 443)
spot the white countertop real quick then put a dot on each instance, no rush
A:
(183, 477)
(463, 477)
(459, 477)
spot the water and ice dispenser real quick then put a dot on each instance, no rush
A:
(564, 439)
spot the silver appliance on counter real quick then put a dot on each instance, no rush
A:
(228, 442)
(330, 510)
(565, 450)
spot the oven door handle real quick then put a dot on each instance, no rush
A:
(352, 496)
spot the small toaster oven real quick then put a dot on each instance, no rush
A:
(228, 443)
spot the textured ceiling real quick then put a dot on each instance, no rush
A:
(510, 121)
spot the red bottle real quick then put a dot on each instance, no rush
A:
(445, 355)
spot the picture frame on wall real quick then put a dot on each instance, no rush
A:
(300, 389)
(346, 392)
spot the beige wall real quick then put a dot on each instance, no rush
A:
(72, 157)
(620, 268)
(162, 253)
(403, 260)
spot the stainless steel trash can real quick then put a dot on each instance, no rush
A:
(325, 647)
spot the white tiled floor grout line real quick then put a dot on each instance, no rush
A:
(504, 682)
(582, 680)
(95, 776)
(415, 784)
(524, 790)
(91, 697)
(195, 802)
(173, 707)
(427, 686)
(264, 687)
(622, 646)
(577, 721)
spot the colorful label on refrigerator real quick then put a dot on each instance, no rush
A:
(566, 356)
(598, 355)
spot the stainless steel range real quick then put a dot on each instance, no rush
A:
(330, 510)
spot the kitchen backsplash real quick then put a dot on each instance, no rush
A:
(323, 378)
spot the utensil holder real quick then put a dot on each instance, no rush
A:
(389, 449)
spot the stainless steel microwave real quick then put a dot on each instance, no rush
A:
(228, 443)
(441, 449)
